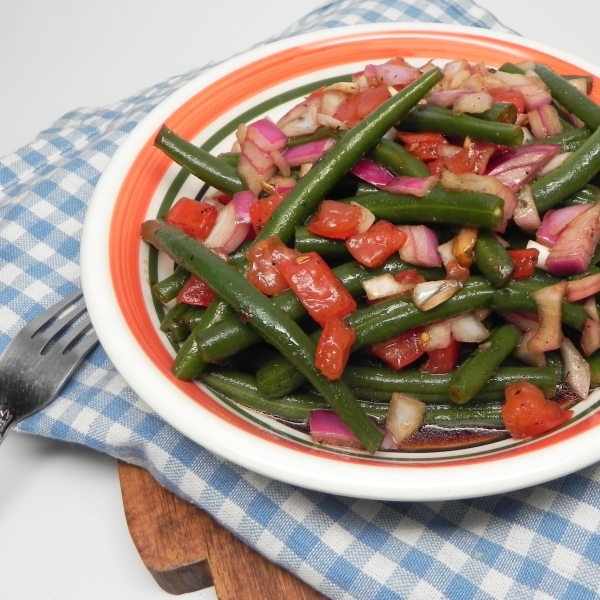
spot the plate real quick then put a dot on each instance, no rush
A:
(117, 268)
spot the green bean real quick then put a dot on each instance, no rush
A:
(438, 206)
(295, 407)
(486, 415)
(492, 259)
(570, 140)
(575, 172)
(426, 118)
(472, 375)
(168, 288)
(375, 324)
(174, 325)
(321, 178)
(509, 67)
(199, 162)
(588, 194)
(188, 363)
(501, 112)
(194, 316)
(398, 159)
(428, 385)
(232, 335)
(273, 324)
(568, 96)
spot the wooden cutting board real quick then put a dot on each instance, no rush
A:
(186, 550)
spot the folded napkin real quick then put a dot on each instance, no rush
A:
(542, 542)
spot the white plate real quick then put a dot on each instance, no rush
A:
(117, 266)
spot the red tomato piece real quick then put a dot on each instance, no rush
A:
(336, 220)
(264, 258)
(347, 111)
(371, 99)
(527, 412)
(442, 360)
(317, 287)
(261, 211)
(525, 261)
(423, 145)
(333, 348)
(410, 277)
(510, 97)
(195, 292)
(472, 159)
(373, 247)
(400, 350)
(194, 218)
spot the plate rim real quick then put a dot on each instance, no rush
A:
(107, 317)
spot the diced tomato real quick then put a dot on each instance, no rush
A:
(333, 348)
(525, 261)
(358, 106)
(472, 159)
(195, 292)
(194, 218)
(371, 99)
(261, 211)
(316, 93)
(442, 360)
(336, 220)
(317, 287)
(373, 247)
(527, 412)
(423, 145)
(264, 258)
(401, 350)
(510, 97)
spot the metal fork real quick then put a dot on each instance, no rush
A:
(41, 358)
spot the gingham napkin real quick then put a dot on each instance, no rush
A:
(542, 542)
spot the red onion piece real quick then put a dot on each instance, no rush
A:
(544, 121)
(430, 294)
(420, 248)
(466, 327)
(435, 336)
(543, 254)
(591, 308)
(413, 186)
(534, 93)
(371, 172)
(307, 153)
(404, 417)
(577, 369)
(519, 166)
(255, 165)
(555, 220)
(549, 334)
(524, 321)
(578, 289)
(391, 74)
(446, 98)
(522, 351)
(233, 223)
(382, 286)
(472, 103)
(266, 135)
(526, 215)
(590, 337)
(573, 251)
(301, 119)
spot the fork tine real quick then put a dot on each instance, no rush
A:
(74, 343)
(53, 312)
(51, 333)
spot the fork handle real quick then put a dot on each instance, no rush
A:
(7, 419)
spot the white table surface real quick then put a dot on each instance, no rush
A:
(63, 530)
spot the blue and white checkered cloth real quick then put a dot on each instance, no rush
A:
(542, 542)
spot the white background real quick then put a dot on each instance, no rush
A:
(63, 532)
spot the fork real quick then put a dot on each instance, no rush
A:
(41, 358)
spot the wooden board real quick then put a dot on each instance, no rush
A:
(186, 550)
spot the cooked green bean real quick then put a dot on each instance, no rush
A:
(472, 375)
(492, 259)
(427, 118)
(174, 325)
(273, 324)
(168, 288)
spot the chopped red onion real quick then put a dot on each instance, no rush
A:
(301, 119)
(232, 224)
(466, 327)
(307, 153)
(544, 121)
(578, 289)
(382, 286)
(420, 248)
(522, 351)
(445, 98)
(555, 220)
(573, 251)
(413, 186)
(430, 294)
(266, 135)
(392, 74)
(543, 254)
(454, 270)
(553, 163)
(576, 368)
(590, 337)
(549, 335)
(472, 103)
(591, 308)
(534, 93)
(519, 166)
(371, 172)
(404, 417)
(526, 215)
(524, 321)
(435, 336)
